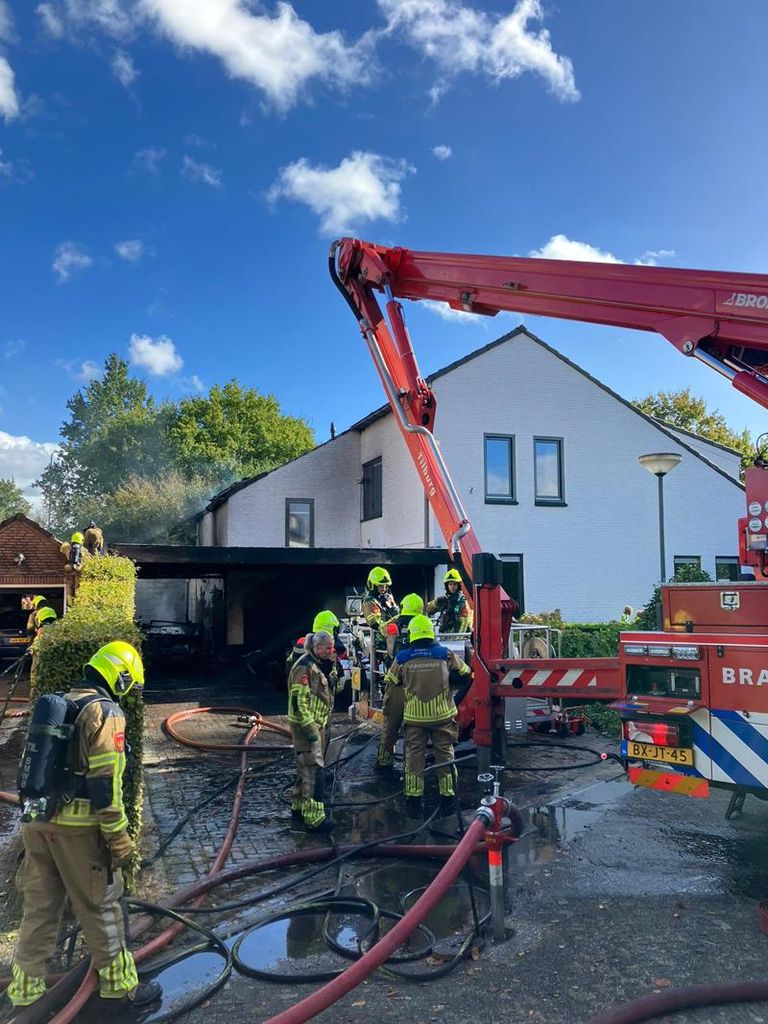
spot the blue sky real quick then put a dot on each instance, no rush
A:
(171, 172)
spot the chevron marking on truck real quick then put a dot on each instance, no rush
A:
(559, 677)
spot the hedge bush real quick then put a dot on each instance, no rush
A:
(102, 611)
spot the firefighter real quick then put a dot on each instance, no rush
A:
(379, 605)
(397, 638)
(455, 613)
(78, 854)
(93, 538)
(35, 604)
(422, 670)
(328, 623)
(310, 701)
(76, 555)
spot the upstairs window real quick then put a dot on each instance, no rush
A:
(372, 489)
(500, 469)
(727, 568)
(299, 522)
(549, 486)
(681, 560)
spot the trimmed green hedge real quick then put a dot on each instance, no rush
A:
(102, 611)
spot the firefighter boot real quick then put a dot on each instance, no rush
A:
(326, 825)
(145, 993)
(414, 806)
(447, 805)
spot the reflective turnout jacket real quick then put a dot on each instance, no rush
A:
(379, 608)
(455, 613)
(310, 697)
(423, 671)
(98, 761)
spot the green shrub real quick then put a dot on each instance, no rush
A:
(102, 611)
(603, 718)
(650, 617)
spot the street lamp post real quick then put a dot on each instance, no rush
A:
(660, 463)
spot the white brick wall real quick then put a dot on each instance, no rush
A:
(724, 459)
(589, 558)
(330, 474)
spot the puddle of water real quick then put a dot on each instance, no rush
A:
(296, 947)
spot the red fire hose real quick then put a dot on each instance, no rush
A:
(381, 952)
(260, 723)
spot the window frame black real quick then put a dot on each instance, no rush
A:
(377, 460)
(560, 501)
(303, 501)
(731, 560)
(689, 560)
(500, 499)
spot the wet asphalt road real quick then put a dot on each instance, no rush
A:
(613, 893)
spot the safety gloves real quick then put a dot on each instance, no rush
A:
(311, 735)
(121, 850)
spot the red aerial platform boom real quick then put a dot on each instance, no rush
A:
(718, 318)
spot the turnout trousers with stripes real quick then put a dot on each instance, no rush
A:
(66, 863)
(309, 789)
(443, 736)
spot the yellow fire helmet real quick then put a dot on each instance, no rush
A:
(378, 576)
(325, 622)
(119, 665)
(420, 628)
(452, 576)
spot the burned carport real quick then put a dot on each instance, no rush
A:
(254, 602)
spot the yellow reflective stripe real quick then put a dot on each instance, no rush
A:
(100, 760)
(436, 710)
(114, 826)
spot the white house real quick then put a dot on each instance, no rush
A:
(545, 458)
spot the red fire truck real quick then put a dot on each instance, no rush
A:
(693, 697)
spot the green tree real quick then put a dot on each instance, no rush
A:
(682, 409)
(150, 510)
(235, 432)
(115, 430)
(12, 500)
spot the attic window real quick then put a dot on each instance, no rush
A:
(299, 522)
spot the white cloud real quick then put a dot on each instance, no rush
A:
(69, 259)
(652, 257)
(201, 172)
(364, 187)
(9, 98)
(88, 371)
(460, 38)
(84, 372)
(278, 54)
(132, 249)
(22, 459)
(445, 312)
(124, 69)
(443, 152)
(17, 172)
(13, 348)
(116, 18)
(149, 159)
(191, 385)
(196, 141)
(6, 22)
(156, 355)
(50, 20)
(560, 247)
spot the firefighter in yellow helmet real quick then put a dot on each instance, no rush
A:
(77, 553)
(394, 699)
(455, 613)
(422, 670)
(76, 840)
(379, 605)
(40, 614)
(310, 701)
(93, 538)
